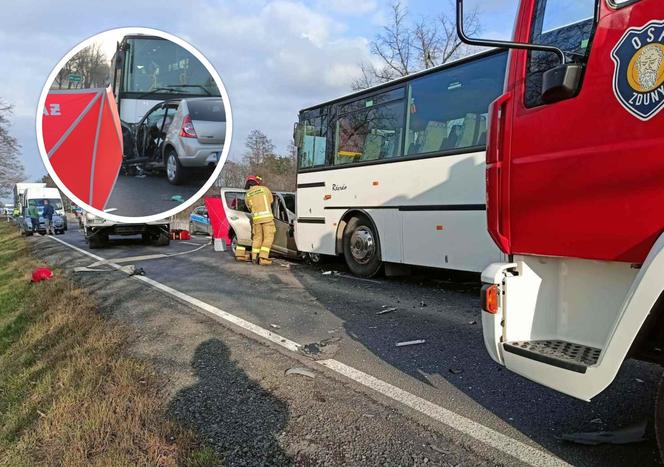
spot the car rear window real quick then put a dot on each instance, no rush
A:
(208, 110)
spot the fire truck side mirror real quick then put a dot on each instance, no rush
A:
(561, 82)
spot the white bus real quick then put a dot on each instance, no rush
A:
(395, 174)
(147, 70)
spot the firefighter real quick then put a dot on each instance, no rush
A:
(259, 200)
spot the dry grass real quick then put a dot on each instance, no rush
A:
(69, 393)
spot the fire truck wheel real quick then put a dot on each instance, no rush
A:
(362, 247)
(659, 416)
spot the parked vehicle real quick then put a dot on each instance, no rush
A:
(98, 230)
(176, 137)
(239, 218)
(574, 185)
(393, 175)
(26, 194)
(199, 221)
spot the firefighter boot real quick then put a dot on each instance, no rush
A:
(241, 254)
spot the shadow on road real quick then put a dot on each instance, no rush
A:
(233, 413)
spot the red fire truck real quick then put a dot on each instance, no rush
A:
(575, 194)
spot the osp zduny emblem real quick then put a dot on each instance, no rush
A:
(638, 78)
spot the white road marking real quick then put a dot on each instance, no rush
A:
(503, 443)
(128, 259)
(493, 438)
(244, 324)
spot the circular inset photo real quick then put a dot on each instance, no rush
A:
(134, 125)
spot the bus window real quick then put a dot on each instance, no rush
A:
(447, 110)
(312, 146)
(161, 64)
(371, 131)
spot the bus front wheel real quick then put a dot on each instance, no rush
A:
(362, 247)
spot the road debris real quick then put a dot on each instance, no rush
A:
(41, 274)
(177, 198)
(456, 371)
(406, 343)
(422, 304)
(275, 326)
(300, 371)
(314, 349)
(387, 310)
(327, 273)
(132, 270)
(631, 434)
(472, 322)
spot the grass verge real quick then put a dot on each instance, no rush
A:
(69, 392)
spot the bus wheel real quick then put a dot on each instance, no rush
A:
(659, 416)
(362, 248)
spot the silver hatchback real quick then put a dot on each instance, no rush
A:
(194, 137)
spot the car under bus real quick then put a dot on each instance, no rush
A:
(395, 174)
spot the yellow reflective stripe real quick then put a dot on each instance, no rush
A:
(265, 249)
(262, 213)
(255, 251)
(266, 216)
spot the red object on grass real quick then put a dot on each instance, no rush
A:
(83, 139)
(218, 220)
(41, 274)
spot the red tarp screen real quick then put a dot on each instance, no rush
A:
(217, 214)
(83, 139)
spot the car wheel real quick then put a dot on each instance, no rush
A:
(174, 170)
(314, 258)
(233, 243)
(362, 247)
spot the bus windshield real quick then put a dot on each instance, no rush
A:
(161, 66)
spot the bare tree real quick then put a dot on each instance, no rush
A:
(259, 147)
(11, 168)
(260, 158)
(91, 64)
(233, 175)
(404, 47)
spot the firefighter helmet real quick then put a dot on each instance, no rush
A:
(252, 180)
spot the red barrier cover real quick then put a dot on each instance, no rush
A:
(83, 140)
(217, 214)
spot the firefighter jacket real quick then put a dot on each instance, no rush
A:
(259, 201)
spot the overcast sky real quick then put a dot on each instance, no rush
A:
(275, 57)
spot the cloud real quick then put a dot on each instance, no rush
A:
(350, 7)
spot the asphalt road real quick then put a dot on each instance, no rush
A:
(138, 197)
(337, 315)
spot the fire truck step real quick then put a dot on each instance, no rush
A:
(567, 355)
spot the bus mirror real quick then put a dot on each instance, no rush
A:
(297, 135)
(561, 82)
